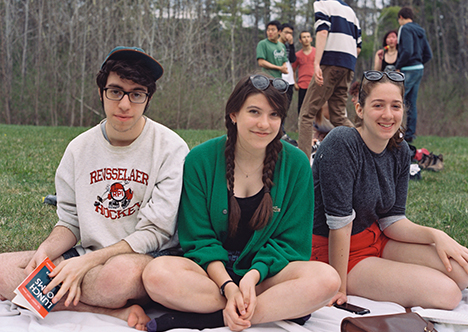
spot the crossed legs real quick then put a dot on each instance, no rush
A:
(408, 274)
(297, 290)
(106, 289)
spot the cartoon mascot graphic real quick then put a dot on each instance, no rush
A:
(117, 196)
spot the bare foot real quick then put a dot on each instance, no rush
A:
(137, 318)
(134, 315)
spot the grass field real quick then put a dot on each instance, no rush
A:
(29, 156)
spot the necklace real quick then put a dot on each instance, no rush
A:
(247, 174)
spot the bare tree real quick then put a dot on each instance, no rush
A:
(25, 43)
(38, 62)
(51, 50)
(7, 57)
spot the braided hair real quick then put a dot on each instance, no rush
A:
(277, 101)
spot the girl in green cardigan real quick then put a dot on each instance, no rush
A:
(245, 225)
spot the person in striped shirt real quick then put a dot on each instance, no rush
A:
(338, 43)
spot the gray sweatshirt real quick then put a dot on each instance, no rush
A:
(106, 193)
(354, 184)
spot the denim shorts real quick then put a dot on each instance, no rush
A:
(233, 256)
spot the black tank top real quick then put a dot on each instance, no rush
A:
(247, 205)
(387, 66)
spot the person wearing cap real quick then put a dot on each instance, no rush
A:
(118, 189)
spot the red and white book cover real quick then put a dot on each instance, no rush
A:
(30, 293)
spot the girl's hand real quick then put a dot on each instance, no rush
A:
(339, 298)
(449, 248)
(234, 309)
(247, 288)
(380, 54)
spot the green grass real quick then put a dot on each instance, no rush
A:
(29, 156)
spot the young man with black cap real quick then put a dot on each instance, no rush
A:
(118, 187)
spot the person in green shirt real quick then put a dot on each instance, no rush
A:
(271, 53)
(245, 225)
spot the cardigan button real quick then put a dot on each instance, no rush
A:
(225, 211)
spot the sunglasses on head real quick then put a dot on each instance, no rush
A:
(261, 82)
(375, 75)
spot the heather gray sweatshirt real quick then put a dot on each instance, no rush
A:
(107, 193)
(352, 183)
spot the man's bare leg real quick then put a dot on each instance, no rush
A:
(13, 273)
(106, 289)
(116, 282)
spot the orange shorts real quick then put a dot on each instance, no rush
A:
(369, 243)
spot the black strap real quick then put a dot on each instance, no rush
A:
(221, 289)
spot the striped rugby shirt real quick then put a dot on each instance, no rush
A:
(344, 33)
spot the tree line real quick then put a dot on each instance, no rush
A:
(51, 50)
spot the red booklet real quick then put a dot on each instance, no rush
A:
(29, 294)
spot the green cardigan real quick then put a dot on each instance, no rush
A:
(203, 212)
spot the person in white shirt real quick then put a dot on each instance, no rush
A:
(118, 189)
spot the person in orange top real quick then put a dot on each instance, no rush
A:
(304, 66)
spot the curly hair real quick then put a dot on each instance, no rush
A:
(367, 87)
(277, 101)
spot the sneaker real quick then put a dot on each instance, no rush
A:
(288, 139)
(437, 163)
(415, 172)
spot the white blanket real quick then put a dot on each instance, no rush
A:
(14, 319)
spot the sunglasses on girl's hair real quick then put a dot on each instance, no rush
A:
(262, 83)
(375, 75)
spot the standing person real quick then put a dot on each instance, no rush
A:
(271, 53)
(272, 56)
(360, 226)
(304, 66)
(118, 186)
(242, 227)
(338, 43)
(287, 38)
(385, 59)
(413, 52)
(322, 122)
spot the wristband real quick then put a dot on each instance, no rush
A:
(221, 289)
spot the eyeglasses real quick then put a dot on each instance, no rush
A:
(262, 83)
(375, 75)
(136, 97)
